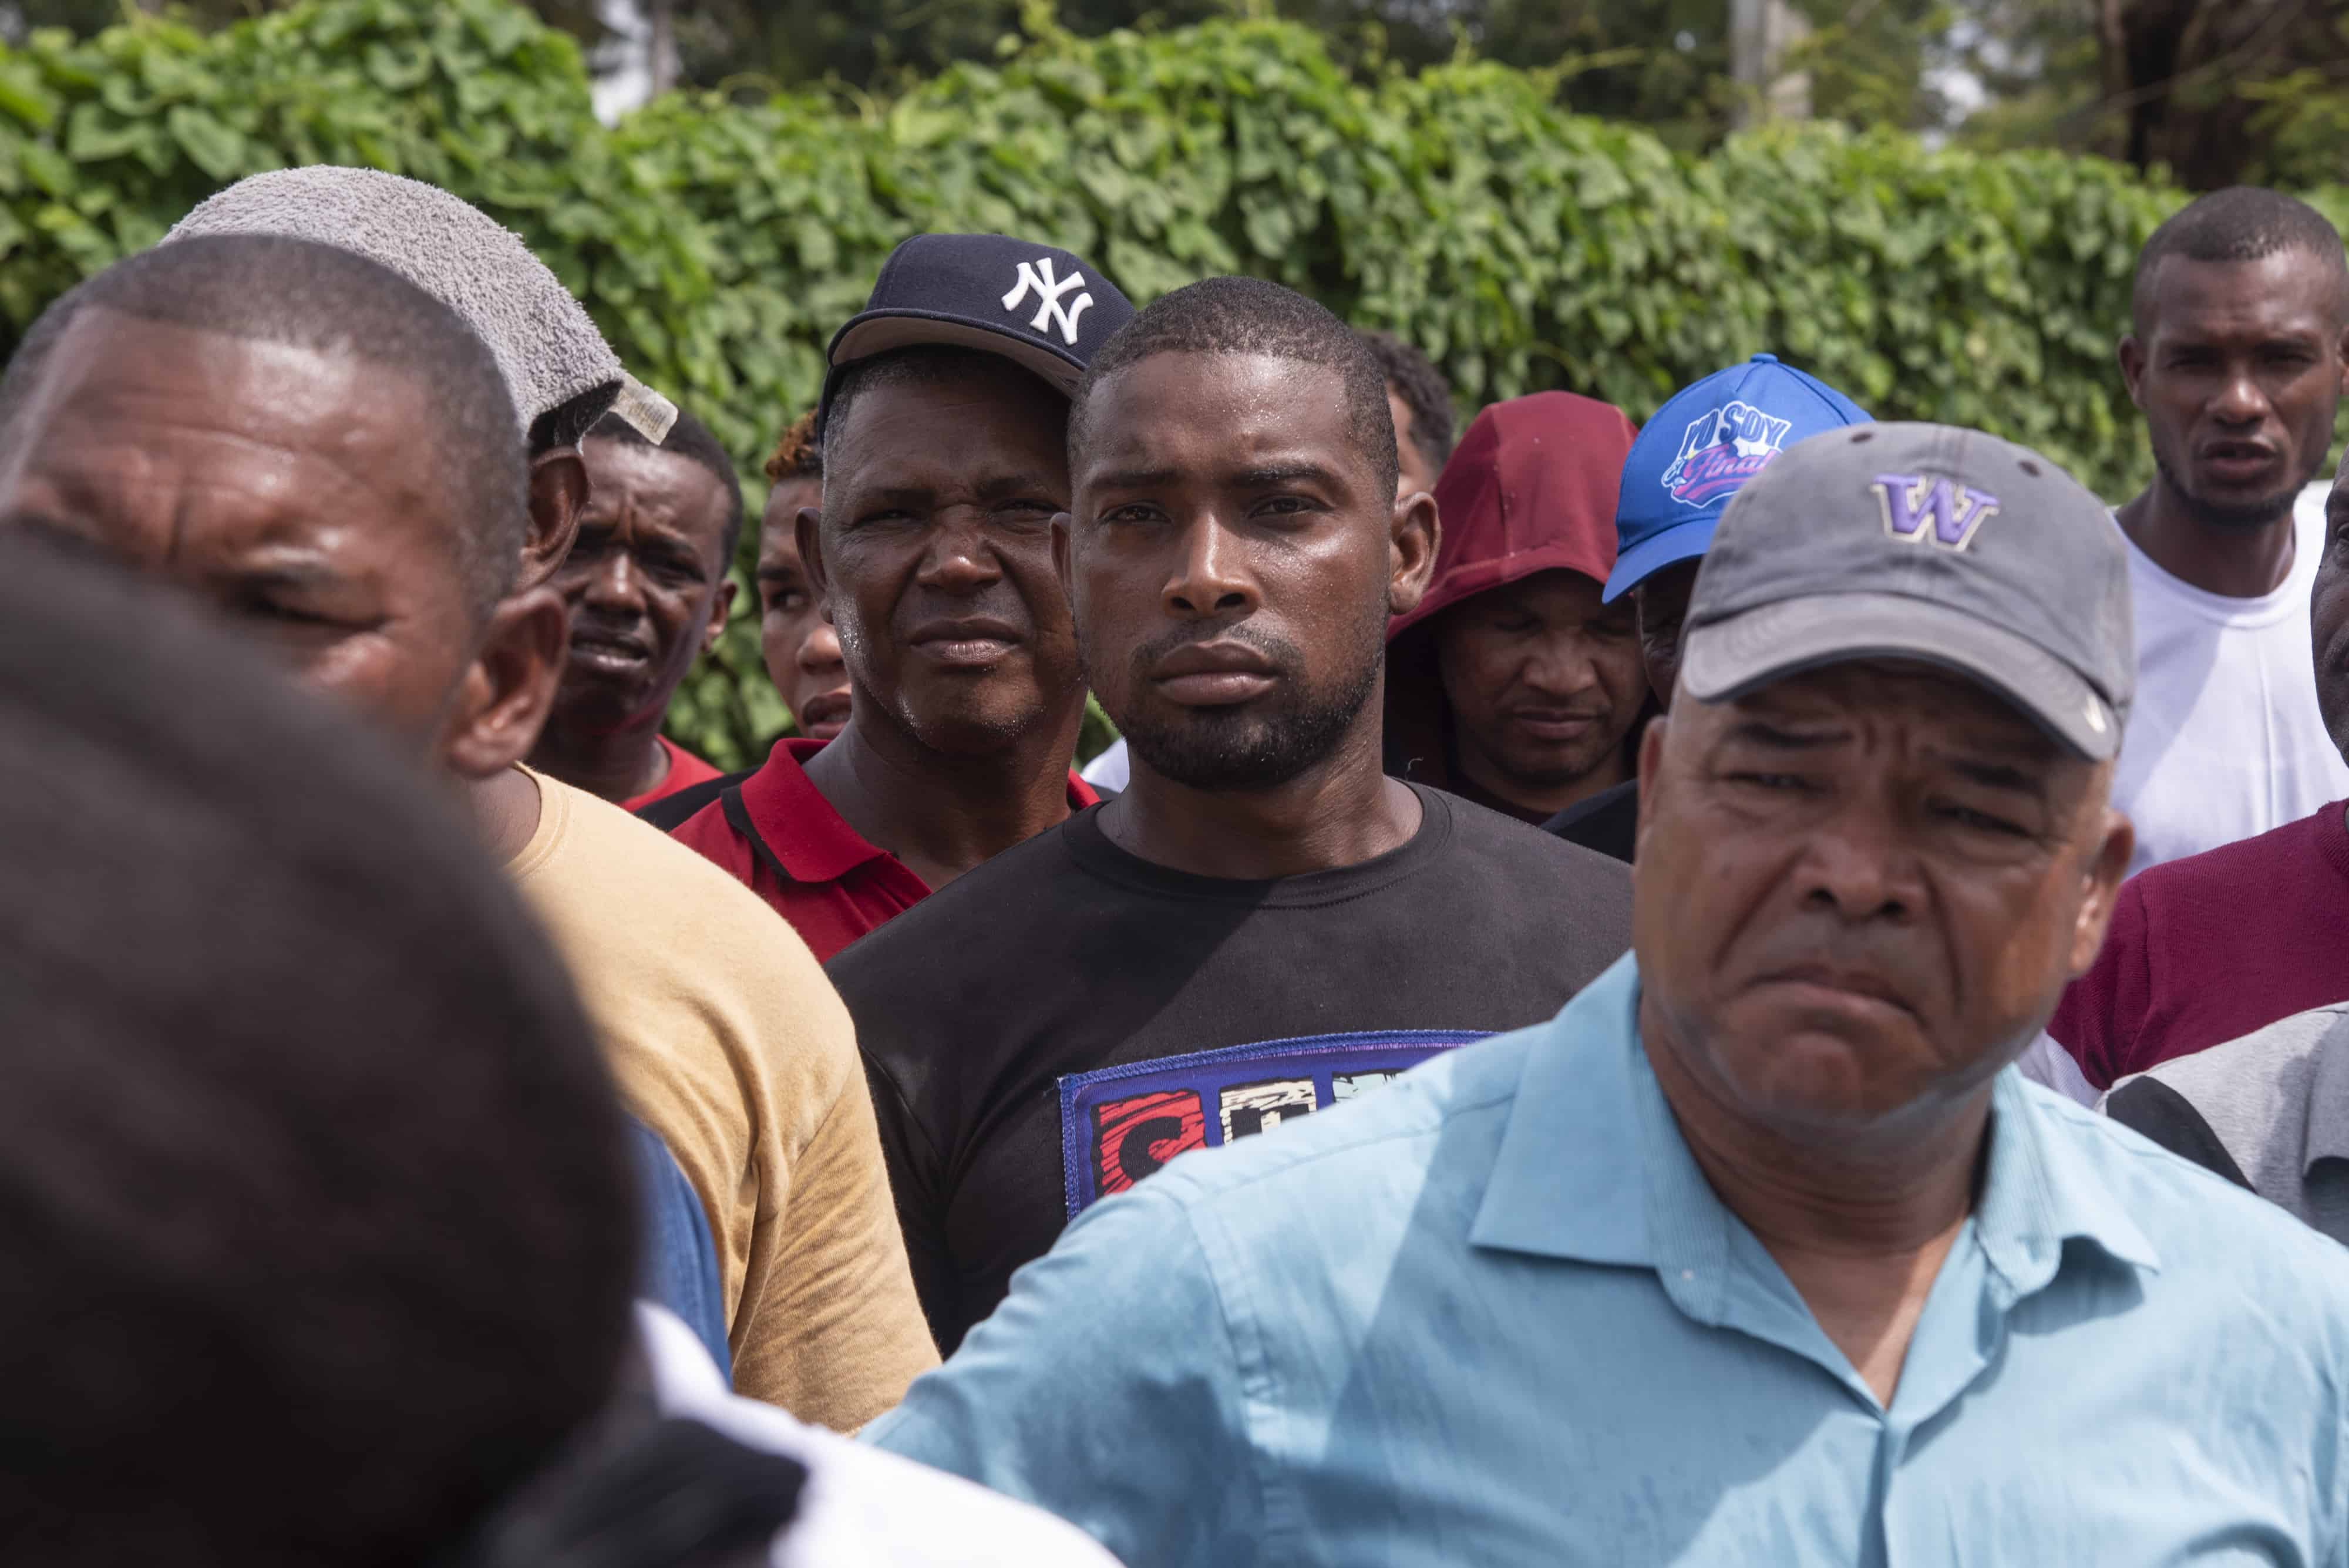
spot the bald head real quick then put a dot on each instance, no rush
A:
(334, 305)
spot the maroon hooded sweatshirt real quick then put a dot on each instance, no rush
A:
(1530, 488)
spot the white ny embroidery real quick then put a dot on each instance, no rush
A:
(1038, 274)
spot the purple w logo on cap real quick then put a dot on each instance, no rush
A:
(1910, 501)
(1721, 451)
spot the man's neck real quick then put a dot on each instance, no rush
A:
(1859, 1229)
(942, 815)
(1535, 803)
(505, 808)
(616, 764)
(2240, 563)
(1341, 812)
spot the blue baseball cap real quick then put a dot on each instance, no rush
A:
(1701, 449)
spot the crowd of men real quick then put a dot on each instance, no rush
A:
(1835, 933)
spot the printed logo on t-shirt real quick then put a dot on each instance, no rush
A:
(1119, 1124)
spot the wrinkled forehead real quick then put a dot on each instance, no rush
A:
(137, 426)
(1893, 698)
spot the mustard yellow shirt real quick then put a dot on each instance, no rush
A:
(729, 1043)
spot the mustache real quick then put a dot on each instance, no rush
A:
(1283, 655)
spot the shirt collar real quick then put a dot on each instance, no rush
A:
(1591, 1165)
(2326, 1135)
(805, 833)
(808, 838)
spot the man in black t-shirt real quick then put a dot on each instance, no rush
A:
(1263, 925)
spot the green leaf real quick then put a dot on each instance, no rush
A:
(210, 145)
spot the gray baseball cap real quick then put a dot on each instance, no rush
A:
(1924, 541)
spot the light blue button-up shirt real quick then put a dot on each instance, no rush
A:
(1496, 1315)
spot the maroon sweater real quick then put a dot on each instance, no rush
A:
(2206, 949)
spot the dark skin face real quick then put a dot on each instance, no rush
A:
(2239, 368)
(1544, 683)
(2328, 614)
(288, 490)
(1233, 558)
(1858, 894)
(802, 650)
(1659, 603)
(646, 588)
(933, 556)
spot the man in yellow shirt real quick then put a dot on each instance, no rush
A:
(326, 454)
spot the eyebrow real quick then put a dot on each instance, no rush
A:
(1998, 777)
(1274, 473)
(778, 573)
(1761, 732)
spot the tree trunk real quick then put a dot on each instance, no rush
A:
(663, 64)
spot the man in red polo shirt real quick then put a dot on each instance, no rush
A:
(945, 426)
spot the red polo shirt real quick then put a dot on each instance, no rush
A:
(684, 771)
(778, 836)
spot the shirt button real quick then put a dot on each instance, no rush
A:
(1688, 1273)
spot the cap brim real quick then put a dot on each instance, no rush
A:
(878, 332)
(1682, 542)
(1726, 658)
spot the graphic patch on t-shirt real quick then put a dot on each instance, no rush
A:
(1120, 1124)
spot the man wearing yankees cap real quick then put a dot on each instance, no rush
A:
(1760, 1250)
(945, 430)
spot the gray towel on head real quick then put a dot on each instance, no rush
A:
(544, 338)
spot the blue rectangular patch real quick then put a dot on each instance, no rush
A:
(1120, 1124)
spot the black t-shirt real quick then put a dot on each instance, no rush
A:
(1055, 1025)
(1608, 821)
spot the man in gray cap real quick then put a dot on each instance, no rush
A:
(1758, 1251)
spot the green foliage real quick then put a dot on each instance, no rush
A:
(1524, 247)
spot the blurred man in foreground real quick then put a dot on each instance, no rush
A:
(1756, 1252)
(324, 454)
(646, 588)
(1263, 924)
(270, 1304)
(1511, 684)
(944, 425)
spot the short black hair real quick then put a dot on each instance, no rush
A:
(1424, 390)
(2239, 223)
(270, 288)
(689, 439)
(1250, 316)
(314, 1190)
(916, 365)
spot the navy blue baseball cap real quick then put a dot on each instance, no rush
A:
(1042, 308)
(1701, 449)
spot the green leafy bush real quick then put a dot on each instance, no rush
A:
(718, 244)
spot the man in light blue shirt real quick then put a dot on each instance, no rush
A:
(1759, 1252)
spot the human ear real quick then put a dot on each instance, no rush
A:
(558, 494)
(722, 605)
(1414, 536)
(2106, 865)
(2132, 359)
(808, 533)
(1652, 766)
(503, 699)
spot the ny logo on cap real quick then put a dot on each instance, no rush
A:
(1910, 501)
(1038, 274)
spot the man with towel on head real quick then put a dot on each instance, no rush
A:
(725, 1039)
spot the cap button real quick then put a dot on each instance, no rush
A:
(1766, 358)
